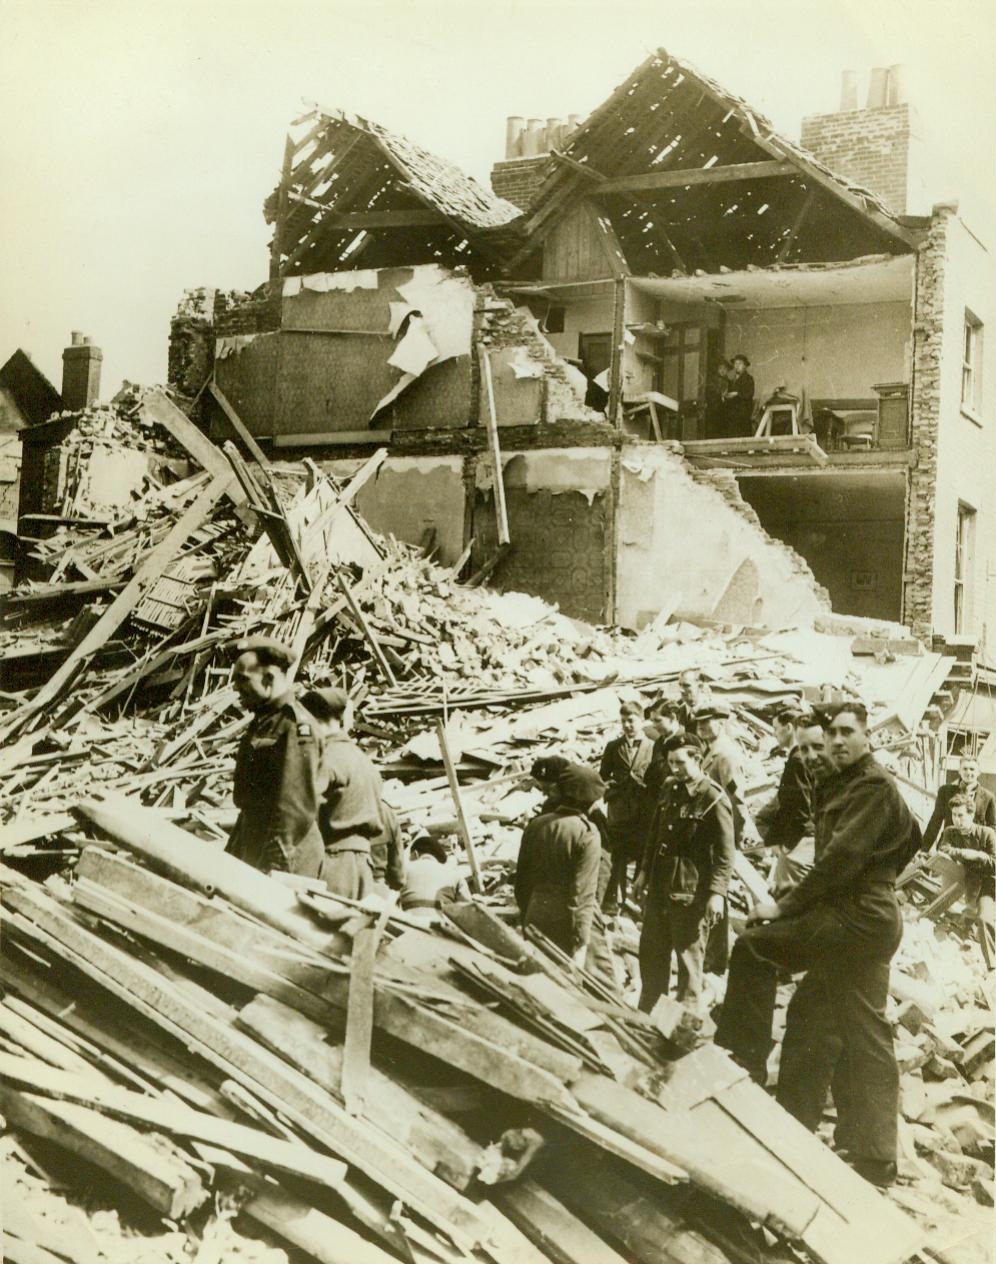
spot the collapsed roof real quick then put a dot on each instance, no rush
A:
(355, 193)
(684, 175)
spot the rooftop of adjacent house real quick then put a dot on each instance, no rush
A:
(32, 396)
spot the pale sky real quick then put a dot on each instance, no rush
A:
(141, 136)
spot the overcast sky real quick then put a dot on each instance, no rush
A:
(140, 137)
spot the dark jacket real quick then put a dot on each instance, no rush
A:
(865, 834)
(979, 861)
(351, 814)
(556, 876)
(792, 819)
(738, 404)
(690, 853)
(985, 810)
(387, 852)
(624, 769)
(276, 788)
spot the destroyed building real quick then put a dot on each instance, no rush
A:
(672, 228)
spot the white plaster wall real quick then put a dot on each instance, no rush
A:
(583, 316)
(680, 542)
(833, 352)
(966, 444)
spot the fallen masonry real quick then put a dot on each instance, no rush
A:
(262, 1068)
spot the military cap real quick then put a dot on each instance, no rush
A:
(743, 360)
(714, 711)
(549, 767)
(789, 711)
(579, 786)
(631, 708)
(270, 653)
(680, 741)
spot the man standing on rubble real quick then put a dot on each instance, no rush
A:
(556, 874)
(624, 768)
(277, 785)
(722, 762)
(841, 925)
(351, 816)
(684, 875)
(694, 695)
(983, 802)
(789, 826)
(973, 848)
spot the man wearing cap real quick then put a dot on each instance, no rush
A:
(722, 762)
(684, 875)
(738, 399)
(556, 875)
(277, 783)
(624, 767)
(351, 815)
(841, 925)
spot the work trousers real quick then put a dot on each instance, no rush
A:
(627, 848)
(670, 928)
(348, 873)
(836, 1028)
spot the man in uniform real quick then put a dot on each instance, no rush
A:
(841, 925)
(277, 785)
(684, 875)
(722, 762)
(556, 875)
(624, 768)
(351, 815)
(983, 802)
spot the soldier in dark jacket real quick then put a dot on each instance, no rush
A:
(351, 816)
(277, 784)
(841, 925)
(556, 875)
(684, 874)
(629, 802)
(983, 802)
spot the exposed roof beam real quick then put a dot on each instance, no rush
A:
(372, 219)
(694, 175)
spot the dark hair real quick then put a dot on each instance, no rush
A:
(857, 709)
(961, 801)
(788, 713)
(425, 845)
(664, 706)
(808, 720)
(326, 704)
(681, 741)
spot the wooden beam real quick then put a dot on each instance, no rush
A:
(170, 1116)
(367, 631)
(373, 218)
(121, 607)
(501, 509)
(451, 776)
(317, 1235)
(651, 181)
(800, 218)
(359, 1013)
(615, 364)
(236, 422)
(159, 409)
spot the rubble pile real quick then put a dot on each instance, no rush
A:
(253, 1060)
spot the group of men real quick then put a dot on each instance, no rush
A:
(841, 833)
(310, 801)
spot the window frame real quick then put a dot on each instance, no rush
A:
(971, 365)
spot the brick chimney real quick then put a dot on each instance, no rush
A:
(80, 373)
(880, 146)
(527, 155)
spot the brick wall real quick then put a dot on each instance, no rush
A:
(870, 147)
(925, 412)
(519, 179)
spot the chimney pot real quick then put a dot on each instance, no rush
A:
(77, 338)
(848, 91)
(896, 92)
(513, 134)
(532, 138)
(877, 87)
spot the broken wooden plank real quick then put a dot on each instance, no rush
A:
(494, 445)
(109, 1099)
(451, 776)
(318, 1235)
(436, 1142)
(359, 1013)
(207, 868)
(157, 408)
(236, 422)
(31, 828)
(555, 1230)
(368, 633)
(149, 1167)
(147, 573)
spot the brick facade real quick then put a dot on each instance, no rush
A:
(925, 415)
(870, 147)
(519, 179)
